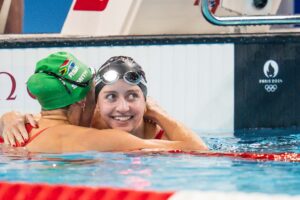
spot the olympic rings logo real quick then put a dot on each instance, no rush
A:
(270, 87)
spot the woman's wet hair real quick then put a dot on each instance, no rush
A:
(120, 67)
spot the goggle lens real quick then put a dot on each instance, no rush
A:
(110, 77)
(132, 77)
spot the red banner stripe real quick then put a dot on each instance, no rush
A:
(90, 5)
(23, 191)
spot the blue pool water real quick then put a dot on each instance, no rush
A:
(164, 171)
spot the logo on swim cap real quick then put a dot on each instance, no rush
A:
(68, 68)
(64, 67)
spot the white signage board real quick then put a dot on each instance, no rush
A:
(193, 83)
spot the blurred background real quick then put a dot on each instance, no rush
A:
(132, 16)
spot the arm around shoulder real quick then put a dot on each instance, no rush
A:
(13, 126)
(176, 131)
(116, 140)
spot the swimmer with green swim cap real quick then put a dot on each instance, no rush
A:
(59, 82)
(65, 80)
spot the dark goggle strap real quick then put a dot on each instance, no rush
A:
(79, 84)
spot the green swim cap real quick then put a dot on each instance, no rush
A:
(60, 80)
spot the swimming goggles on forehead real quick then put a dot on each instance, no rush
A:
(112, 76)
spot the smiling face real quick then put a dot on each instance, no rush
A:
(122, 106)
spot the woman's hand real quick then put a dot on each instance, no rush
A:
(153, 111)
(174, 130)
(13, 127)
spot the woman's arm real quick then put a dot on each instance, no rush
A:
(116, 140)
(174, 130)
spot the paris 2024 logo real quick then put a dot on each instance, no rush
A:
(271, 82)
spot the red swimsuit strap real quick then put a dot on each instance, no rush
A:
(37, 134)
(159, 134)
(29, 129)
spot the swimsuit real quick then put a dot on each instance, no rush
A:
(28, 128)
(159, 134)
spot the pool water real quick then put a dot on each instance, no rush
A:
(164, 171)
